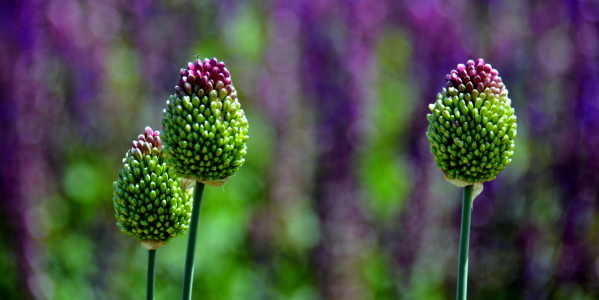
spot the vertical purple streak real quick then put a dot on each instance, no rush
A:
(324, 81)
(336, 73)
(54, 65)
(560, 94)
(156, 30)
(578, 159)
(282, 103)
(22, 165)
(280, 84)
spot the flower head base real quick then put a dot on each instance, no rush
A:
(472, 125)
(205, 129)
(148, 200)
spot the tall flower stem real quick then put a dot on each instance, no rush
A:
(191, 244)
(462, 292)
(151, 274)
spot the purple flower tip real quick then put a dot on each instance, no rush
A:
(207, 75)
(148, 131)
(475, 75)
(146, 141)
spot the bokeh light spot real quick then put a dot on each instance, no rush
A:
(80, 182)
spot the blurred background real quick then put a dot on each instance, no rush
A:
(339, 197)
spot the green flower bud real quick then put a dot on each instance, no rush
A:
(205, 129)
(472, 125)
(146, 196)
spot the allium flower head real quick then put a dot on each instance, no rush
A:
(205, 129)
(148, 200)
(472, 125)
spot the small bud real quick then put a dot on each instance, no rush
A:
(142, 188)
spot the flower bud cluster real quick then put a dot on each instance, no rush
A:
(205, 129)
(472, 125)
(148, 200)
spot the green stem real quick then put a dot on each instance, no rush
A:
(191, 244)
(151, 274)
(462, 293)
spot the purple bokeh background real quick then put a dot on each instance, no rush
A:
(340, 198)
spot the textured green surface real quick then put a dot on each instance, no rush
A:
(148, 200)
(205, 129)
(472, 130)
